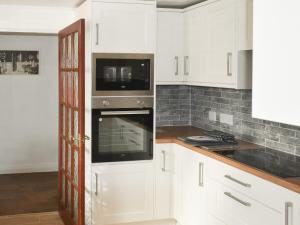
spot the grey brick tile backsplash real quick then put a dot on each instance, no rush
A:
(190, 105)
(173, 105)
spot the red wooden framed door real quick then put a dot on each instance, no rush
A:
(71, 123)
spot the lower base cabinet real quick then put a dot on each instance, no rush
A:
(123, 193)
(191, 188)
(235, 208)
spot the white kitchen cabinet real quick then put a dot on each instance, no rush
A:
(169, 53)
(164, 171)
(218, 40)
(196, 44)
(236, 197)
(123, 192)
(234, 208)
(217, 37)
(276, 62)
(124, 27)
(192, 189)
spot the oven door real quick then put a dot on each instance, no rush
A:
(122, 74)
(122, 135)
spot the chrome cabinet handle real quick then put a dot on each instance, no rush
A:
(248, 204)
(186, 59)
(96, 188)
(229, 64)
(164, 161)
(97, 33)
(201, 167)
(237, 181)
(288, 205)
(176, 65)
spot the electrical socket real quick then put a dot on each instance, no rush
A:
(212, 116)
(226, 118)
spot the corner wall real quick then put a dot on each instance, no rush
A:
(29, 109)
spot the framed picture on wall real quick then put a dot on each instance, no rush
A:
(13, 62)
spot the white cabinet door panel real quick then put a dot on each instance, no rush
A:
(196, 44)
(169, 54)
(124, 193)
(276, 61)
(123, 27)
(221, 42)
(164, 162)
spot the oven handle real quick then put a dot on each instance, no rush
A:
(113, 113)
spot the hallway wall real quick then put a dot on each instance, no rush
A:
(29, 109)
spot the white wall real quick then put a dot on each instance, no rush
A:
(32, 19)
(29, 109)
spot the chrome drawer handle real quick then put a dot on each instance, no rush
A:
(186, 69)
(97, 34)
(248, 204)
(164, 161)
(176, 65)
(96, 188)
(288, 205)
(229, 64)
(237, 181)
(201, 165)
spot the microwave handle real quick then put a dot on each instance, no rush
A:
(114, 113)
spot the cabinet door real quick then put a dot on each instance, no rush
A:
(196, 45)
(164, 161)
(193, 194)
(124, 193)
(276, 61)
(169, 57)
(221, 43)
(124, 27)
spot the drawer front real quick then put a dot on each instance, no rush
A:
(233, 207)
(248, 184)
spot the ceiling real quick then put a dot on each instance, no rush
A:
(52, 3)
(177, 3)
(74, 3)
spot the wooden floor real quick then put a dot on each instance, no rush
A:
(50, 218)
(28, 193)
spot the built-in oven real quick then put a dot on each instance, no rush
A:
(121, 132)
(122, 74)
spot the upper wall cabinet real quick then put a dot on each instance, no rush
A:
(218, 37)
(128, 27)
(276, 71)
(169, 53)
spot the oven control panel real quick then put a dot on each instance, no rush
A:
(122, 102)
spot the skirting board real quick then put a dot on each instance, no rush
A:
(153, 222)
(28, 168)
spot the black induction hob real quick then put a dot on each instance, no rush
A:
(274, 162)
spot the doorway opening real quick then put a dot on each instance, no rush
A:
(42, 135)
(29, 123)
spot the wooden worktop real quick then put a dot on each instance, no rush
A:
(170, 135)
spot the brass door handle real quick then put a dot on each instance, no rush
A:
(85, 138)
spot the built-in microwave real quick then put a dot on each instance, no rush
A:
(121, 74)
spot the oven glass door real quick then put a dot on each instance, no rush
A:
(123, 74)
(122, 135)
